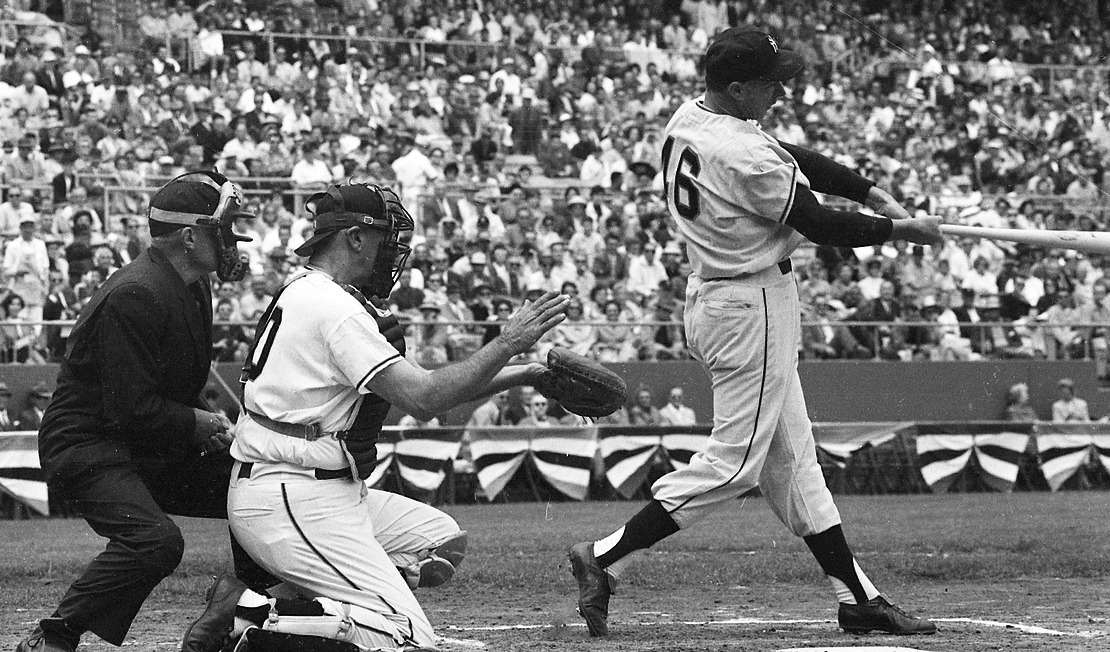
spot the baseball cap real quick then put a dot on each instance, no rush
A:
(359, 202)
(742, 54)
(1065, 382)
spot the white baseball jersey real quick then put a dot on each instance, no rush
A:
(314, 358)
(730, 228)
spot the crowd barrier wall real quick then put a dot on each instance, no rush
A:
(837, 391)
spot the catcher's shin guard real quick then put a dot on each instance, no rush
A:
(439, 566)
(264, 640)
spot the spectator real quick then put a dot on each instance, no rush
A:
(1069, 407)
(7, 422)
(490, 413)
(642, 412)
(824, 336)
(675, 413)
(616, 338)
(14, 212)
(37, 398)
(27, 269)
(573, 333)
(884, 339)
(536, 415)
(22, 342)
(1018, 407)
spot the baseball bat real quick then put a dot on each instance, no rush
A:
(1087, 241)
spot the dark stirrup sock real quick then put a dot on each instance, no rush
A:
(832, 552)
(646, 528)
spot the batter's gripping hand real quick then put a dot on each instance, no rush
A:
(581, 385)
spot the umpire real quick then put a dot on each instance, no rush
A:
(127, 437)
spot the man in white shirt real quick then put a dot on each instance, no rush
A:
(414, 171)
(14, 211)
(674, 413)
(27, 268)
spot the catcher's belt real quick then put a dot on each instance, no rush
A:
(313, 431)
(246, 468)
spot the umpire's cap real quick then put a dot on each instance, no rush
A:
(356, 203)
(193, 193)
(743, 54)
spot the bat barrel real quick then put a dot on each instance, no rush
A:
(1087, 241)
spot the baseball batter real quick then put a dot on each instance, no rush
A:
(321, 377)
(744, 201)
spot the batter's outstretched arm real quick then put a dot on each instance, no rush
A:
(853, 229)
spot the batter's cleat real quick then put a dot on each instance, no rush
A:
(595, 585)
(36, 642)
(878, 614)
(212, 631)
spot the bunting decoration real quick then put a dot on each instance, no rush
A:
(1063, 448)
(841, 440)
(627, 454)
(20, 474)
(564, 457)
(944, 452)
(423, 456)
(498, 453)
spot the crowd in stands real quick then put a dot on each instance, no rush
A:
(525, 138)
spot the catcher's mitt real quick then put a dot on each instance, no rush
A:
(581, 385)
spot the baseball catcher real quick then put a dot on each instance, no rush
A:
(326, 366)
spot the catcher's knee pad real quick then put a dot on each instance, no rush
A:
(265, 640)
(453, 549)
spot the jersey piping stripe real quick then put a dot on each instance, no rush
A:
(375, 369)
(758, 410)
(297, 526)
(790, 198)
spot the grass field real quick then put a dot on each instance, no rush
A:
(1001, 572)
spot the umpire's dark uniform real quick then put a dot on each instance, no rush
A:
(117, 439)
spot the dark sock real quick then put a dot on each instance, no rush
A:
(56, 630)
(831, 550)
(647, 527)
(256, 615)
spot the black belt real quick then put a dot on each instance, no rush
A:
(784, 266)
(245, 469)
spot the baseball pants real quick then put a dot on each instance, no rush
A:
(332, 539)
(746, 332)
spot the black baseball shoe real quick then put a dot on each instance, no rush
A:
(594, 587)
(883, 616)
(212, 630)
(37, 642)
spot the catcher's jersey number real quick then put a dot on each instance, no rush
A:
(686, 199)
(261, 350)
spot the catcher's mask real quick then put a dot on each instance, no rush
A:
(366, 205)
(166, 214)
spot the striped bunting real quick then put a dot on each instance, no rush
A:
(627, 454)
(842, 440)
(424, 455)
(681, 444)
(943, 456)
(385, 458)
(564, 457)
(20, 473)
(1064, 448)
(498, 453)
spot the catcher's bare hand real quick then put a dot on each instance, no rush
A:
(211, 431)
(920, 230)
(533, 320)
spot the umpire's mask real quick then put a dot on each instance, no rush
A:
(204, 199)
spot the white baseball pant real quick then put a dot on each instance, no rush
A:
(331, 539)
(746, 332)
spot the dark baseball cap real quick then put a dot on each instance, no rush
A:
(743, 54)
(356, 205)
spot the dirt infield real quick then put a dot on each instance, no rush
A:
(998, 572)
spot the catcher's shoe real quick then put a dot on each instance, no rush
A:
(212, 630)
(595, 586)
(36, 642)
(439, 566)
(883, 616)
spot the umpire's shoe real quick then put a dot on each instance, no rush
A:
(878, 614)
(212, 630)
(37, 642)
(595, 586)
